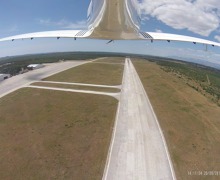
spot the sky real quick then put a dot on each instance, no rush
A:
(198, 18)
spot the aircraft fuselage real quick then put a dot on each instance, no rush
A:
(115, 19)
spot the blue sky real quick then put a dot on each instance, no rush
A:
(17, 17)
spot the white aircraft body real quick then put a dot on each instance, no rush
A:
(112, 20)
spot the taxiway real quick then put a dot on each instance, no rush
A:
(22, 80)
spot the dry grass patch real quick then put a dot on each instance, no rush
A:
(190, 122)
(111, 60)
(91, 73)
(78, 87)
(54, 135)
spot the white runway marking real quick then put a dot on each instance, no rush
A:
(115, 95)
(138, 149)
(82, 84)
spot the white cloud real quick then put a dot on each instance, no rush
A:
(217, 38)
(77, 25)
(64, 24)
(198, 16)
(158, 30)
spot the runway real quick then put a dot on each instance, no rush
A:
(138, 149)
(16, 82)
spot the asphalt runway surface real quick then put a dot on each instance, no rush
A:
(138, 149)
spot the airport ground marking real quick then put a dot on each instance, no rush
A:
(81, 84)
(115, 95)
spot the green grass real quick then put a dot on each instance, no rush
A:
(91, 73)
(54, 135)
(196, 77)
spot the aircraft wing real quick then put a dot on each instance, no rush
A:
(112, 20)
(51, 34)
(153, 36)
(174, 37)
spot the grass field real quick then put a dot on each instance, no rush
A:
(111, 60)
(189, 120)
(78, 87)
(54, 135)
(203, 79)
(91, 73)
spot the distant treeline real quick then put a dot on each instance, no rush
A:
(200, 78)
(13, 65)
